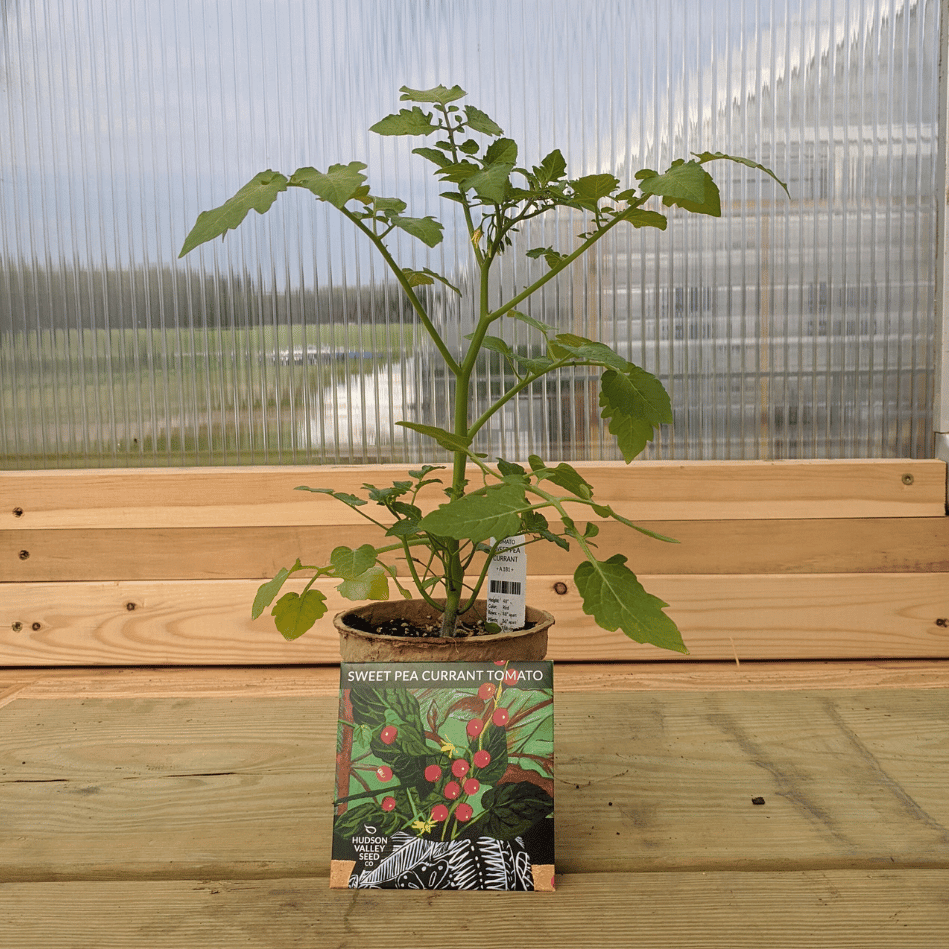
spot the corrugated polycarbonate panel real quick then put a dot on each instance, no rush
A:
(790, 327)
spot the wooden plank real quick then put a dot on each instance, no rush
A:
(102, 787)
(816, 909)
(227, 497)
(296, 681)
(838, 545)
(826, 616)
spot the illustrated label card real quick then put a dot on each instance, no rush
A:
(444, 776)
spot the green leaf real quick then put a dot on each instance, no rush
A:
(593, 187)
(349, 499)
(529, 320)
(258, 194)
(371, 585)
(426, 229)
(267, 591)
(553, 257)
(635, 403)
(564, 476)
(503, 151)
(686, 185)
(616, 600)
(433, 155)
(426, 277)
(294, 614)
(481, 122)
(405, 122)
(552, 168)
(445, 439)
(458, 172)
(337, 186)
(512, 809)
(640, 218)
(496, 345)
(440, 94)
(715, 156)
(349, 563)
(567, 345)
(490, 512)
(492, 183)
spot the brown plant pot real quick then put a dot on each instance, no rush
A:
(358, 646)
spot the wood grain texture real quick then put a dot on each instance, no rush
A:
(727, 910)
(826, 616)
(836, 545)
(103, 787)
(228, 497)
(602, 678)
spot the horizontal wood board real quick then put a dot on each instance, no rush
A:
(822, 616)
(107, 787)
(228, 497)
(833, 545)
(726, 910)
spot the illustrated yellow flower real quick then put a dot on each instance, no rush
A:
(448, 748)
(423, 826)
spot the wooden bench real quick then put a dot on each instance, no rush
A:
(166, 764)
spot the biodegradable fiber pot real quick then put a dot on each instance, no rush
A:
(359, 643)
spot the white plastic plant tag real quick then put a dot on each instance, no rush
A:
(507, 582)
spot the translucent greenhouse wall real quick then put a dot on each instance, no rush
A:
(789, 328)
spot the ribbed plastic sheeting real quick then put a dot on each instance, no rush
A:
(794, 328)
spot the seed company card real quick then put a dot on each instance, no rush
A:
(444, 776)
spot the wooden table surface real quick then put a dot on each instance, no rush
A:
(191, 808)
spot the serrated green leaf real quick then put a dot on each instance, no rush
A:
(349, 499)
(492, 183)
(458, 172)
(337, 186)
(295, 614)
(594, 187)
(634, 406)
(258, 195)
(491, 512)
(715, 156)
(686, 185)
(424, 277)
(440, 94)
(640, 218)
(371, 585)
(497, 345)
(433, 155)
(425, 229)
(502, 151)
(445, 439)
(481, 122)
(405, 122)
(267, 591)
(349, 563)
(567, 477)
(552, 168)
(566, 345)
(616, 600)
(529, 320)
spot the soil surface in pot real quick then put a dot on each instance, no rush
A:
(467, 627)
